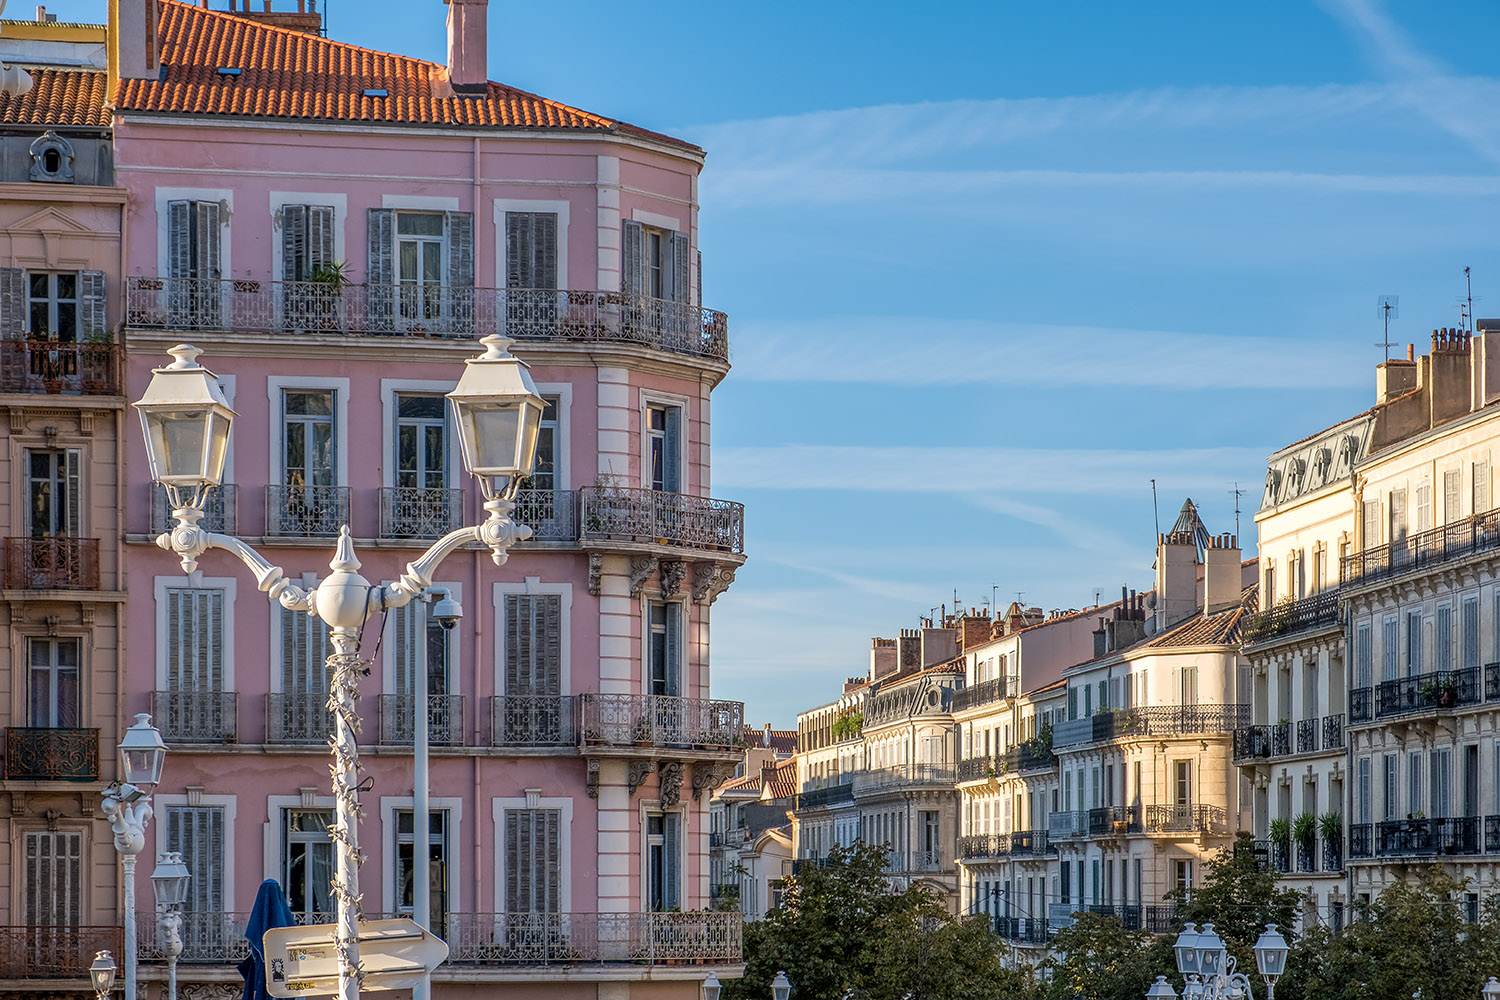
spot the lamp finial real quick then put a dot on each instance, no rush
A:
(344, 560)
(184, 356)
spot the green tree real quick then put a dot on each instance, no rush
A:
(1097, 958)
(1239, 899)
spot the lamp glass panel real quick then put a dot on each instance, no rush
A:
(496, 428)
(141, 766)
(1210, 958)
(1187, 953)
(526, 453)
(184, 439)
(218, 447)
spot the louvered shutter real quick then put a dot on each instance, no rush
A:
(1481, 487)
(319, 237)
(458, 232)
(700, 277)
(552, 859)
(73, 478)
(404, 641)
(518, 250)
(195, 640)
(679, 288)
(380, 269)
(179, 239)
(549, 645)
(674, 649)
(197, 832)
(517, 645)
(513, 862)
(292, 680)
(671, 853)
(294, 243)
(1452, 511)
(1471, 633)
(13, 303)
(672, 450)
(208, 240)
(632, 258)
(92, 316)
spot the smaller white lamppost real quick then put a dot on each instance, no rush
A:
(170, 883)
(102, 974)
(781, 987)
(1208, 969)
(127, 806)
(1270, 957)
(710, 988)
(1491, 990)
(1161, 990)
(1186, 950)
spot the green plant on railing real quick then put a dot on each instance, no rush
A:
(1305, 828)
(1041, 743)
(333, 274)
(1331, 825)
(1281, 831)
(848, 727)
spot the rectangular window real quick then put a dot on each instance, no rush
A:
(1362, 809)
(1452, 509)
(197, 833)
(1392, 630)
(1470, 622)
(1442, 646)
(1440, 790)
(437, 867)
(663, 854)
(1182, 875)
(307, 863)
(1371, 513)
(54, 492)
(421, 441)
(1183, 783)
(664, 448)
(1481, 487)
(305, 648)
(1413, 643)
(419, 264)
(440, 720)
(307, 243)
(1424, 507)
(53, 888)
(544, 475)
(53, 301)
(1270, 587)
(1390, 787)
(194, 236)
(195, 639)
(1414, 782)
(664, 662)
(1320, 568)
(52, 683)
(531, 250)
(1398, 516)
(308, 437)
(1362, 659)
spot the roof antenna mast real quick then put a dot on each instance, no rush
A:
(1237, 494)
(1469, 289)
(1389, 306)
(1155, 513)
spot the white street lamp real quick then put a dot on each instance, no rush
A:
(170, 883)
(127, 806)
(1270, 957)
(781, 987)
(102, 974)
(711, 987)
(1161, 990)
(1208, 969)
(1491, 990)
(187, 424)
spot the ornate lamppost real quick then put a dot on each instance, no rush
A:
(127, 806)
(102, 974)
(170, 884)
(1208, 969)
(187, 421)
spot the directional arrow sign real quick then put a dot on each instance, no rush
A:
(396, 955)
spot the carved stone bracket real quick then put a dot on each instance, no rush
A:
(596, 572)
(710, 580)
(591, 788)
(670, 782)
(640, 568)
(639, 771)
(707, 777)
(85, 804)
(672, 573)
(18, 803)
(210, 991)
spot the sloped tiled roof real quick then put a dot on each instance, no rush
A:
(1219, 629)
(290, 74)
(60, 97)
(783, 783)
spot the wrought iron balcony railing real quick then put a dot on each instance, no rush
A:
(1068, 824)
(1362, 840)
(1111, 821)
(54, 368)
(1281, 739)
(306, 511)
(498, 939)
(55, 951)
(980, 846)
(529, 315)
(445, 720)
(1307, 735)
(1492, 835)
(552, 515)
(1492, 682)
(52, 564)
(195, 716)
(519, 720)
(1333, 732)
(615, 513)
(1464, 537)
(1030, 843)
(1179, 720)
(1023, 930)
(298, 717)
(1443, 690)
(979, 768)
(1268, 855)
(413, 512)
(904, 775)
(822, 798)
(1307, 855)
(219, 511)
(38, 754)
(1361, 705)
(1333, 856)
(624, 720)
(1306, 615)
(208, 938)
(1197, 818)
(1423, 837)
(988, 692)
(1252, 743)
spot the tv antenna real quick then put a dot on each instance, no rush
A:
(1390, 308)
(1237, 494)
(1469, 294)
(1156, 514)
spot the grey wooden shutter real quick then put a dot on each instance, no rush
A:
(319, 237)
(207, 238)
(73, 477)
(674, 648)
(533, 860)
(404, 641)
(54, 877)
(13, 303)
(91, 306)
(672, 451)
(1471, 632)
(632, 258)
(533, 644)
(458, 233)
(380, 269)
(179, 239)
(679, 288)
(531, 250)
(195, 639)
(197, 832)
(513, 853)
(294, 243)
(700, 276)
(305, 647)
(671, 851)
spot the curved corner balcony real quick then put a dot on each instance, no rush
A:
(654, 517)
(691, 726)
(528, 315)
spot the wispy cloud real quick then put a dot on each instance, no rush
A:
(940, 352)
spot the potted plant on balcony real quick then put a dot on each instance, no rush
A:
(326, 288)
(1446, 691)
(1331, 825)
(1281, 840)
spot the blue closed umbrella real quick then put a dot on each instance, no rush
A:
(270, 910)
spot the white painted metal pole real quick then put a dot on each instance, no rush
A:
(421, 815)
(343, 696)
(128, 863)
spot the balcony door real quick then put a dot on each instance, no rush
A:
(52, 683)
(664, 648)
(421, 442)
(663, 864)
(193, 259)
(53, 492)
(534, 708)
(308, 457)
(307, 863)
(437, 868)
(53, 903)
(441, 724)
(664, 448)
(419, 262)
(531, 299)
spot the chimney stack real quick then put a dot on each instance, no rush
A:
(468, 30)
(1176, 578)
(1221, 574)
(133, 47)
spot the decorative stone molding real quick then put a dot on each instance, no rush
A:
(18, 803)
(710, 580)
(672, 573)
(51, 159)
(596, 573)
(670, 781)
(591, 785)
(640, 568)
(707, 777)
(638, 772)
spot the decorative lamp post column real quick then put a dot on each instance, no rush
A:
(170, 884)
(102, 974)
(187, 422)
(127, 806)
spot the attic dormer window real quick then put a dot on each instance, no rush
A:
(52, 159)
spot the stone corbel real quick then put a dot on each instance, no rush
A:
(85, 804)
(640, 568)
(638, 772)
(86, 423)
(591, 785)
(596, 573)
(18, 803)
(18, 420)
(670, 782)
(707, 777)
(672, 573)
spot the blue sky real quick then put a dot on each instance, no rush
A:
(991, 268)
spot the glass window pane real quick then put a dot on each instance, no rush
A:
(432, 263)
(420, 406)
(419, 223)
(41, 318)
(406, 453)
(67, 286)
(408, 262)
(67, 321)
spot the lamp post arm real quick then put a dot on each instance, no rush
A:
(499, 531)
(190, 541)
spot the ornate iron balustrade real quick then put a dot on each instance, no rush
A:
(54, 368)
(1361, 705)
(979, 768)
(661, 720)
(531, 315)
(1307, 855)
(34, 753)
(215, 938)
(984, 693)
(445, 720)
(1333, 856)
(1333, 732)
(413, 512)
(1185, 819)
(1478, 533)
(1419, 837)
(978, 846)
(904, 774)
(56, 951)
(306, 511)
(1252, 743)
(1492, 682)
(52, 564)
(1177, 720)
(1109, 821)
(1492, 835)
(1269, 855)
(925, 861)
(1156, 918)
(1024, 930)
(617, 513)
(1307, 735)
(220, 510)
(1318, 611)
(1068, 824)
(801, 865)
(1443, 690)
(1030, 843)
(1281, 739)
(195, 716)
(552, 515)
(703, 937)
(822, 798)
(298, 718)
(519, 720)
(1362, 840)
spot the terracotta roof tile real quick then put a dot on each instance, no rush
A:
(1219, 629)
(783, 782)
(290, 74)
(59, 97)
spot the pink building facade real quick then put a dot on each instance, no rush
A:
(335, 228)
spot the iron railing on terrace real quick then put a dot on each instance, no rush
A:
(485, 939)
(195, 716)
(219, 510)
(1268, 855)
(1467, 536)
(1194, 818)
(1307, 735)
(1068, 824)
(208, 938)
(1157, 918)
(1361, 704)
(1024, 930)
(624, 720)
(1179, 720)
(1362, 840)
(902, 775)
(1110, 821)
(1423, 837)
(55, 951)
(306, 511)
(1318, 611)
(1492, 682)
(1333, 855)
(54, 368)
(524, 314)
(518, 720)
(445, 720)
(552, 515)
(298, 717)
(1033, 758)
(1281, 739)
(1444, 689)
(51, 563)
(1333, 732)
(822, 798)
(1252, 743)
(34, 753)
(1030, 843)
(415, 512)
(1492, 835)
(985, 693)
(979, 768)
(978, 846)
(617, 513)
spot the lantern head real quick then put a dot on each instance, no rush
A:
(186, 421)
(1186, 949)
(142, 753)
(1270, 953)
(102, 973)
(170, 880)
(498, 413)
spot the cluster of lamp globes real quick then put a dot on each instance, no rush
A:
(1208, 970)
(781, 987)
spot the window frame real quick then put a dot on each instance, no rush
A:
(160, 586)
(390, 660)
(532, 586)
(648, 809)
(53, 334)
(560, 208)
(390, 806)
(648, 401)
(610, 842)
(166, 195)
(53, 672)
(276, 388)
(229, 804)
(284, 842)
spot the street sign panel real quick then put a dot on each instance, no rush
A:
(396, 955)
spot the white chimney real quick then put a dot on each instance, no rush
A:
(133, 39)
(467, 41)
(1176, 578)
(1221, 574)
